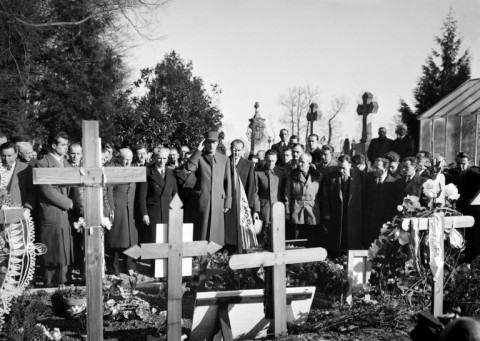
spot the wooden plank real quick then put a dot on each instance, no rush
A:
(224, 320)
(92, 175)
(93, 247)
(279, 278)
(291, 256)
(437, 287)
(353, 272)
(239, 299)
(175, 255)
(456, 222)
(160, 251)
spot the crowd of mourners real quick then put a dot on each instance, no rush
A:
(338, 202)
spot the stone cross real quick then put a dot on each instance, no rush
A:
(256, 131)
(173, 251)
(278, 258)
(365, 109)
(312, 115)
(93, 178)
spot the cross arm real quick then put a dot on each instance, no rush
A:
(456, 222)
(253, 260)
(92, 175)
(160, 251)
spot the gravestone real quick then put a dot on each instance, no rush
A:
(365, 110)
(256, 132)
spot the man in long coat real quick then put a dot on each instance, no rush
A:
(55, 230)
(212, 193)
(123, 233)
(155, 195)
(380, 204)
(342, 205)
(246, 173)
(411, 183)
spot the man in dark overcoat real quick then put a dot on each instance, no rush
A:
(155, 195)
(246, 172)
(55, 230)
(380, 204)
(379, 146)
(123, 233)
(280, 146)
(403, 145)
(342, 206)
(411, 183)
(212, 193)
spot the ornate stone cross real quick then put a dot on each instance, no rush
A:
(365, 109)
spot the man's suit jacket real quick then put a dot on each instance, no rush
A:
(21, 188)
(316, 155)
(211, 194)
(380, 206)
(155, 195)
(378, 148)
(339, 209)
(413, 187)
(279, 148)
(404, 147)
(332, 166)
(55, 230)
(270, 188)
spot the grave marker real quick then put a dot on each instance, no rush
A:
(358, 271)
(278, 258)
(365, 110)
(174, 251)
(92, 178)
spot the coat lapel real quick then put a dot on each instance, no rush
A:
(155, 175)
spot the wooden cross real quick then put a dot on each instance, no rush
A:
(93, 179)
(312, 115)
(278, 259)
(436, 243)
(174, 251)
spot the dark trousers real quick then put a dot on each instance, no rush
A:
(113, 261)
(55, 275)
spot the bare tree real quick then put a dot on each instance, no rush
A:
(296, 105)
(337, 106)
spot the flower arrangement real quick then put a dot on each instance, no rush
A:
(401, 256)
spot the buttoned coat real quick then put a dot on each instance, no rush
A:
(246, 172)
(380, 206)
(333, 207)
(155, 195)
(123, 233)
(55, 230)
(20, 188)
(403, 146)
(302, 197)
(413, 187)
(211, 194)
(270, 188)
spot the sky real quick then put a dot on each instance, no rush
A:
(255, 50)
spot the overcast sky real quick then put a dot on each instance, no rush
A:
(256, 49)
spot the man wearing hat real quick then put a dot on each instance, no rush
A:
(212, 193)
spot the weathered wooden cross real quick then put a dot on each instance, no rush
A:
(278, 259)
(365, 109)
(93, 178)
(174, 251)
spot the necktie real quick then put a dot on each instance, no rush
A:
(9, 167)
(408, 179)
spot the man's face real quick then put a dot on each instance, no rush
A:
(382, 132)
(161, 158)
(173, 156)
(360, 166)
(462, 163)
(61, 147)
(211, 146)
(184, 151)
(393, 166)
(379, 169)
(8, 156)
(297, 151)
(401, 131)
(326, 156)
(270, 161)
(408, 168)
(284, 135)
(303, 163)
(312, 142)
(105, 158)
(287, 156)
(75, 154)
(421, 163)
(261, 155)
(141, 156)
(237, 151)
(344, 168)
(126, 159)
(26, 153)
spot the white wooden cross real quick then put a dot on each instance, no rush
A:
(174, 251)
(278, 259)
(94, 177)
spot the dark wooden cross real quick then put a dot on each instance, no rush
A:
(278, 258)
(93, 179)
(366, 108)
(174, 251)
(312, 115)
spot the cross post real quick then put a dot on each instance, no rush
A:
(365, 109)
(94, 177)
(278, 258)
(174, 250)
(312, 115)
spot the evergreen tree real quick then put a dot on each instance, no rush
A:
(176, 109)
(443, 72)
